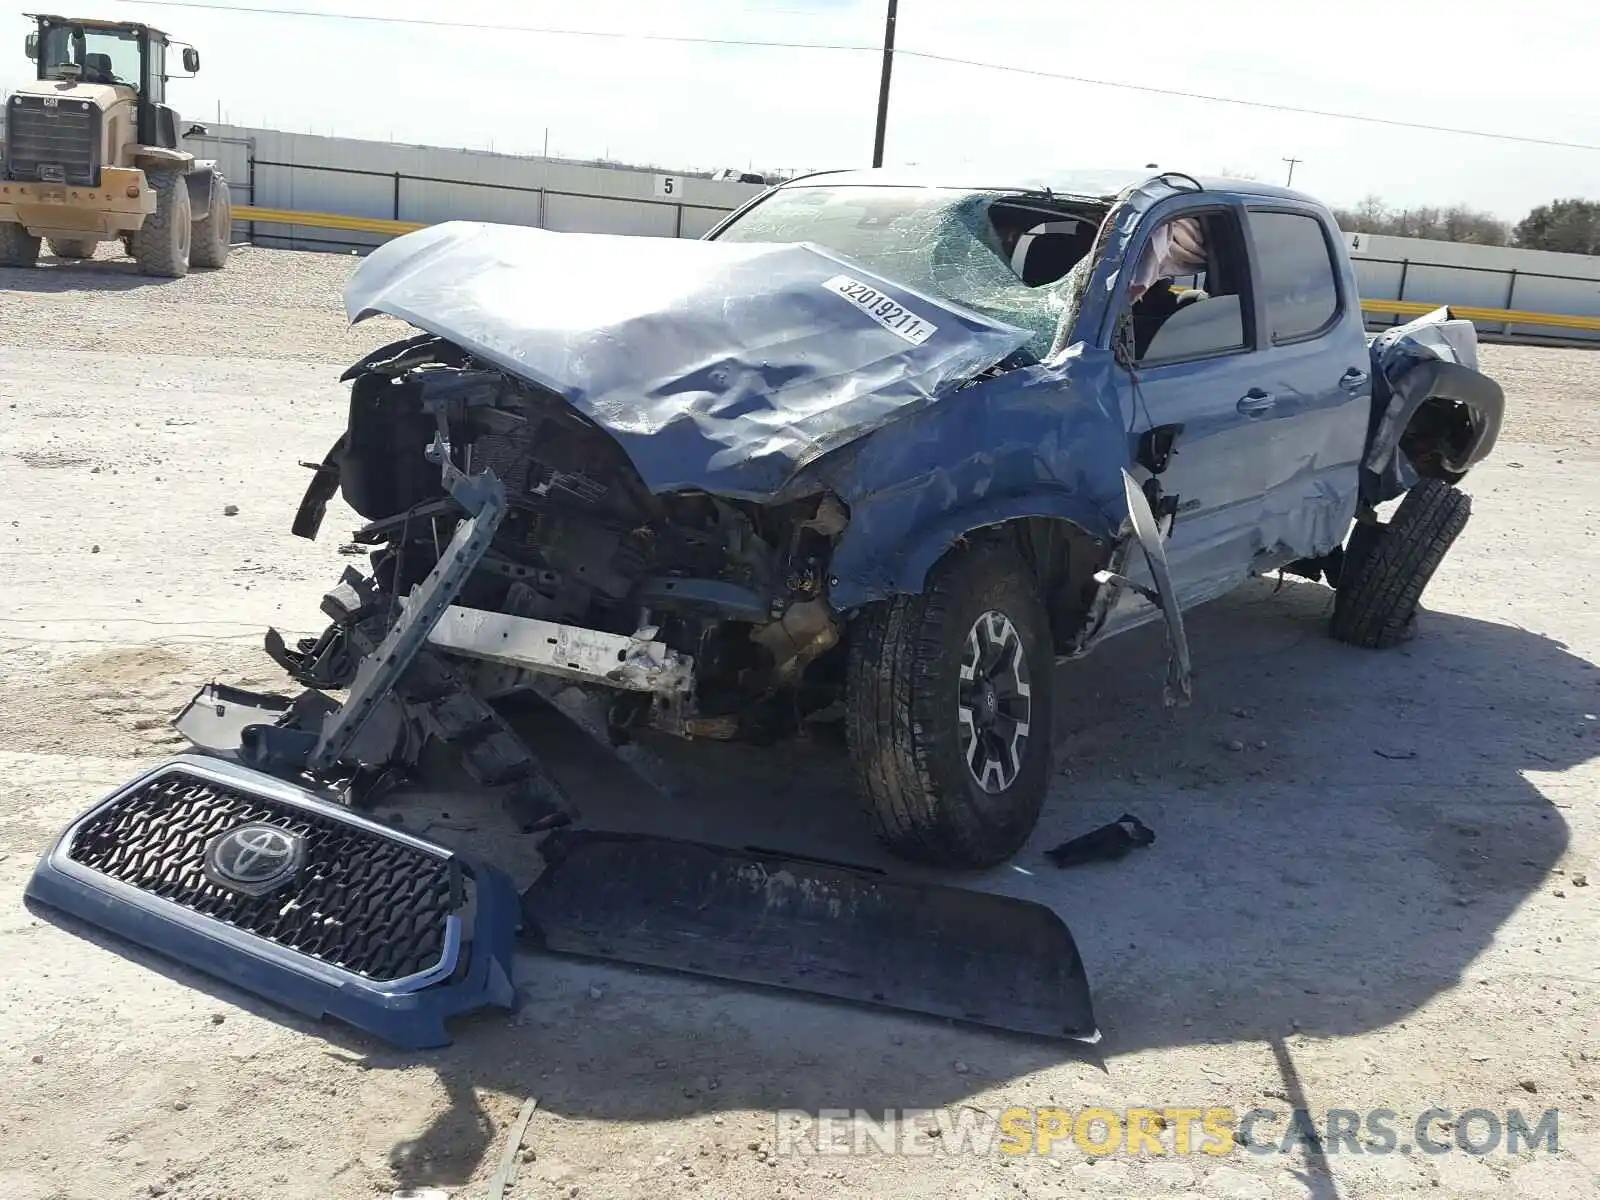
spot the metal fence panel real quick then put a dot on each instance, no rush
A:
(431, 201)
(590, 214)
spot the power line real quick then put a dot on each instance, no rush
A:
(1288, 108)
(853, 48)
(493, 27)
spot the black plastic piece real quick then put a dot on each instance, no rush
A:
(324, 483)
(1106, 844)
(808, 925)
(1156, 447)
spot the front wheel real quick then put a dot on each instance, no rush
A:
(161, 244)
(949, 710)
(1387, 567)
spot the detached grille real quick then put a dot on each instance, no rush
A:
(361, 902)
(59, 143)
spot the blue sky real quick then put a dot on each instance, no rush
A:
(1524, 70)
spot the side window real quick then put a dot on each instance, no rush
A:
(1187, 291)
(1297, 274)
(158, 71)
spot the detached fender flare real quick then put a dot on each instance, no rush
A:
(200, 178)
(1439, 380)
(864, 568)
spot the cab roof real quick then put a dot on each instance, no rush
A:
(1081, 184)
(96, 23)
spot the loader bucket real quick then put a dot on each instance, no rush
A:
(807, 925)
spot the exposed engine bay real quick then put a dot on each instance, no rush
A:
(716, 609)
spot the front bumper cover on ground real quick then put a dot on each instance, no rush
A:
(804, 924)
(364, 923)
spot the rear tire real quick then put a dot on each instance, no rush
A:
(209, 239)
(18, 248)
(161, 244)
(73, 247)
(939, 686)
(1375, 604)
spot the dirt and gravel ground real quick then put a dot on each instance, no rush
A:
(1370, 888)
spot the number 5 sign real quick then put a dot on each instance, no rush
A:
(667, 186)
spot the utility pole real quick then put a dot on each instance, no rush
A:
(883, 83)
(1291, 162)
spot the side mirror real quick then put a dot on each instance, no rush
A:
(31, 46)
(191, 60)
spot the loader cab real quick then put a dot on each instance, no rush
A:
(119, 54)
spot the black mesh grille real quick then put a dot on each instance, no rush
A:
(55, 144)
(361, 902)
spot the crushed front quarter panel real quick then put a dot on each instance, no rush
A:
(1040, 441)
(1434, 355)
(716, 366)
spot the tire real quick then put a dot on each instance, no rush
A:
(209, 239)
(73, 247)
(17, 247)
(161, 244)
(904, 725)
(1375, 604)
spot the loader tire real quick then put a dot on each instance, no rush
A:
(161, 244)
(210, 238)
(17, 247)
(1375, 604)
(939, 686)
(72, 247)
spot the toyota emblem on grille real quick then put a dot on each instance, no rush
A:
(254, 859)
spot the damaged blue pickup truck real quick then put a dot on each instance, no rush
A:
(880, 449)
(876, 452)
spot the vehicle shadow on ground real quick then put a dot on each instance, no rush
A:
(1340, 834)
(57, 275)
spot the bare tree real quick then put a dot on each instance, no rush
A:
(1458, 223)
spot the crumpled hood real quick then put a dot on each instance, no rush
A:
(722, 366)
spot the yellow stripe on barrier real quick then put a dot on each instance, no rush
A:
(312, 220)
(1488, 316)
(1399, 308)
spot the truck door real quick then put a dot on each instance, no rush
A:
(1314, 368)
(1197, 368)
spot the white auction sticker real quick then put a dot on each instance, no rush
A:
(892, 315)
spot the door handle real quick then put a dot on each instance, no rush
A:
(1255, 401)
(1354, 378)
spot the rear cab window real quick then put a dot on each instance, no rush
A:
(1299, 282)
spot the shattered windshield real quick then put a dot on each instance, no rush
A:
(939, 241)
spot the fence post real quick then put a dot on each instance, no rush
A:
(1511, 290)
(1400, 292)
(677, 221)
(397, 195)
